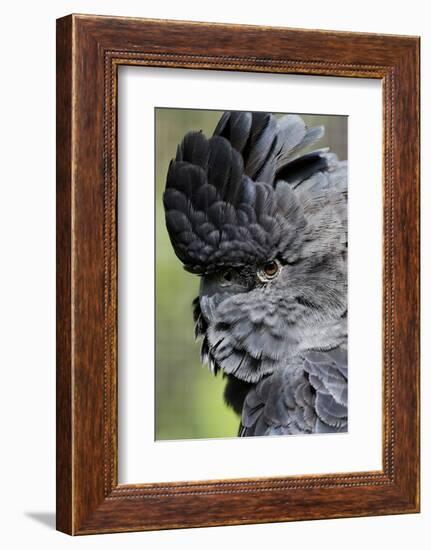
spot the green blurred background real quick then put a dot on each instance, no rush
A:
(189, 400)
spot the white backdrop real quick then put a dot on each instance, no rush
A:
(27, 276)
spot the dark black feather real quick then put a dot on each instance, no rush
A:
(240, 125)
(194, 149)
(235, 392)
(302, 168)
(217, 213)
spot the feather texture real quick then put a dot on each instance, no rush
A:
(216, 215)
(252, 194)
(307, 396)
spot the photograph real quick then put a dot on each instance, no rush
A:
(237, 272)
(251, 273)
(215, 259)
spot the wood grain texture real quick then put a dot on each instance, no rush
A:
(64, 495)
(90, 49)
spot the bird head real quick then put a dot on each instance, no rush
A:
(264, 228)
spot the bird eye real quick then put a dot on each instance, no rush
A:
(269, 271)
(226, 277)
(271, 268)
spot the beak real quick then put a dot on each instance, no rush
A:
(211, 294)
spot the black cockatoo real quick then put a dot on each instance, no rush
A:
(264, 225)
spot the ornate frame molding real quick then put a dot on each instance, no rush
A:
(89, 498)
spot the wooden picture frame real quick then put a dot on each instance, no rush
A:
(89, 51)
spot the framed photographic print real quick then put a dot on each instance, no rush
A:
(237, 274)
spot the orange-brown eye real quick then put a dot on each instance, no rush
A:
(271, 268)
(269, 271)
